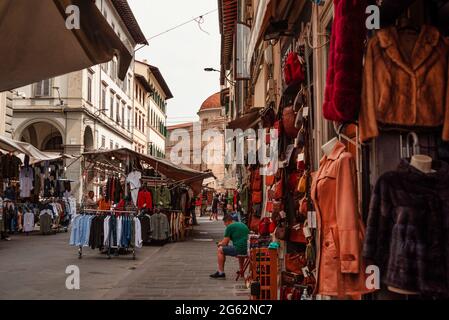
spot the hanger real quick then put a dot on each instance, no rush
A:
(405, 23)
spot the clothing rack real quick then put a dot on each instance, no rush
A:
(108, 212)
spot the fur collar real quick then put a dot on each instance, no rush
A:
(428, 38)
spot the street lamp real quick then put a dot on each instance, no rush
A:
(232, 83)
(61, 102)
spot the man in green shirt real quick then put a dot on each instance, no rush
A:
(236, 232)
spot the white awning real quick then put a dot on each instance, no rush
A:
(35, 43)
(36, 155)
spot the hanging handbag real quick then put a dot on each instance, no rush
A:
(296, 234)
(293, 69)
(269, 207)
(279, 187)
(294, 262)
(278, 126)
(293, 180)
(256, 197)
(281, 231)
(266, 226)
(290, 279)
(256, 184)
(288, 122)
(302, 184)
(254, 224)
(290, 293)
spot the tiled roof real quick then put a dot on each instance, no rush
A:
(181, 125)
(160, 79)
(213, 102)
(130, 21)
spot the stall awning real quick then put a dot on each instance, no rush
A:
(36, 155)
(36, 45)
(246, 121)
(177, 173)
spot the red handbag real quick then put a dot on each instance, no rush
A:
(269, 180)
(293, 180)
(288, 122)
(293, 69)
(297, 234)
(294, 262)
(256, 185)
(256, 197)
(269, 206)
(254, 224)
(266, 226)
(279, 188)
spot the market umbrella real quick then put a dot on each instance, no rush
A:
(35, 43)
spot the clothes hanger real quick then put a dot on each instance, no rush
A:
(405, 23)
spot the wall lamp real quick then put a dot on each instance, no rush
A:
(232, 83)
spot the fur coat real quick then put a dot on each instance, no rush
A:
(407, 233)
(405, 82)
(344, 76)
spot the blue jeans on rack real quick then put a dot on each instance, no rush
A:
(113, 232)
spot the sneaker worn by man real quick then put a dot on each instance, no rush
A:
(218, 275)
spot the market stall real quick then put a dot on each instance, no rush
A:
(155, 193)
(35, 196)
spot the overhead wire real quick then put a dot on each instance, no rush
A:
(199, 20)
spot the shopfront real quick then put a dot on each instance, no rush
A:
(359, 191)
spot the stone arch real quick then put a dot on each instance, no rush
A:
(88, 139)
(44, 134)
(19, 132)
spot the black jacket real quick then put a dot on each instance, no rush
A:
(407, 232)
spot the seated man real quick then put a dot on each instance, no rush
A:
(236, 232)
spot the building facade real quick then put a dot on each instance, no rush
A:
(84, 110)
(6, 113)
(150, 112)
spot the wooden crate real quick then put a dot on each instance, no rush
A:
(266, 271)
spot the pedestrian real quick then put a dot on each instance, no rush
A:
(236, 232)
(214, 213)
(89, 202)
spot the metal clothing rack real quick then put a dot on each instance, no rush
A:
(107, 212)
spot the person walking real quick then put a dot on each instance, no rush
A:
(214, 213)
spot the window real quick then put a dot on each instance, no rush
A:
(135, 120)
(117, 110)
(111, 144)
(128, 88)
(89, 86)
(117, 146)
(103, 141)
(111, 107)
(103, 97)
(42, 88)
(138, 124)
(123, 115)
(129, 119)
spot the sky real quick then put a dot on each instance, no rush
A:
(181, 54)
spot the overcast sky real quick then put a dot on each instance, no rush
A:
(182, 54)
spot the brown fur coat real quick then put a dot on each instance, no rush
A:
(405, 81)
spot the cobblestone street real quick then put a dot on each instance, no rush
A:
(34, 267)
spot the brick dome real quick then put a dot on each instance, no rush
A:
(213, 102)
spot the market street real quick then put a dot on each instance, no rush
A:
(34, 267)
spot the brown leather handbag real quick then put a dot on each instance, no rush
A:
(268, 117)
(279, 187)
(290, 279)
(294, 262)
(288, 122)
